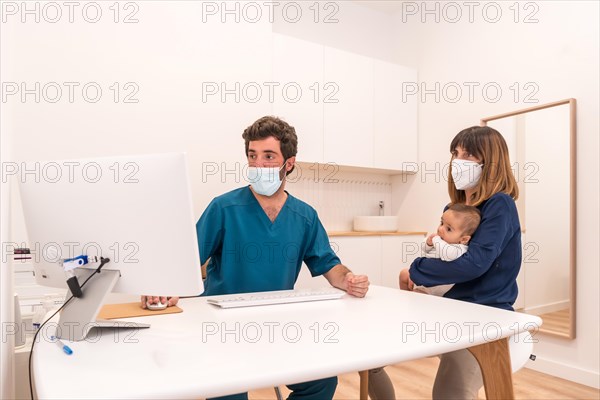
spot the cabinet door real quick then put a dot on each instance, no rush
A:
(307, 281)
(398, 252)
(362, 255)
(298, 82)
(348, 105)
(394, 117)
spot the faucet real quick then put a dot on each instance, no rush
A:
(381, 205)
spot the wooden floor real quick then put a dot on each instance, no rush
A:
(557, 321)
(413, 380)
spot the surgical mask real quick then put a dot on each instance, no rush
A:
(265, 181)
(465, 173)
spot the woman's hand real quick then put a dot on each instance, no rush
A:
(171, 301)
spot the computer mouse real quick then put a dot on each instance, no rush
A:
(156, 306)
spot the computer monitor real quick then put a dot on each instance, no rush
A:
(134, 210)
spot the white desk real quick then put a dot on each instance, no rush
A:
(206, 351)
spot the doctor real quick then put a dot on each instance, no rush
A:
(255, 238)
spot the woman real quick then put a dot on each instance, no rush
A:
(480, 175)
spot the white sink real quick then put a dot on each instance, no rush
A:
(376, 224)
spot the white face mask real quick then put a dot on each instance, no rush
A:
(465, 173)
(265, 181)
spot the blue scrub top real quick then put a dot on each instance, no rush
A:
(249, 253)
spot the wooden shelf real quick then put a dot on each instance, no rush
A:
(332, 166)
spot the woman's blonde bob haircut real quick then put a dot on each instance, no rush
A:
(488, 145)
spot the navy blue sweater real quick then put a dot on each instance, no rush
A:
(486, 274)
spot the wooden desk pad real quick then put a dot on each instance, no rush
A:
(130, 310)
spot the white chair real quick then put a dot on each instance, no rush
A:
(520, 347)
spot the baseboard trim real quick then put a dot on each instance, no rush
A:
(547, 308)
(564, 371)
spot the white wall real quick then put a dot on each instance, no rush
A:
(6, 268)
(339, 196)
(349, 27)
(6, 302)
(559, 55)
(167, 55)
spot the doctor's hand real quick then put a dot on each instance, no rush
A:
(356, 285)
(171, 301)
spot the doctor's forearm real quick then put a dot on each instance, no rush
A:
(337, 276)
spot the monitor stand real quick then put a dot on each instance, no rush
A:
(79, 316)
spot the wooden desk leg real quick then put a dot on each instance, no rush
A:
(364, 385)
(494, 361)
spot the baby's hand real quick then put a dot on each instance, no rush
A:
(430, 239)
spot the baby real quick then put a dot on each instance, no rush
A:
(458, 223)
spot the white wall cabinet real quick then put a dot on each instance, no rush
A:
(351, 110)
(348, 116)
(379, 257)
(394, 117)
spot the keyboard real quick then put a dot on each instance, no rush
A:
(275, 297)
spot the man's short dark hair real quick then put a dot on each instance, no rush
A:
(277, 128)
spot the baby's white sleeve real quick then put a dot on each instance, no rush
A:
(428, 251)
(447, 251)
